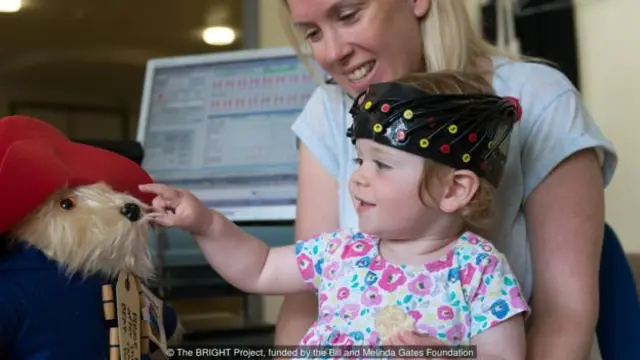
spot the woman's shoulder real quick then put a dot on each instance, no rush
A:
(532, 81)
(322, 125)
(551, 106)
(325, 115)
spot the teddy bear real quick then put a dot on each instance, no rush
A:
(75, 257)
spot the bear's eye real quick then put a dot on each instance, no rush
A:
(67, 204)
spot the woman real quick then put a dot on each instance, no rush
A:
(552, 198)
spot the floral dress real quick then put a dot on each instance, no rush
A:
(467, 291)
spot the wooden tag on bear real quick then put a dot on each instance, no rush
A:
(129, 327)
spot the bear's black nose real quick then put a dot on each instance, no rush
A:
(131, 211)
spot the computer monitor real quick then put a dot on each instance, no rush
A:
(219, 126)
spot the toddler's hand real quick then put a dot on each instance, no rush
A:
(178, 208)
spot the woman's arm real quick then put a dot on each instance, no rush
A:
(565, 221)
(317, 211)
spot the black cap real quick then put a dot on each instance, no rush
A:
(464, 131)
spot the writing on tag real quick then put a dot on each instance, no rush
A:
(129, 324)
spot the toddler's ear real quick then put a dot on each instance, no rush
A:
(459, 191)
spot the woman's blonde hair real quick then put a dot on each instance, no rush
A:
(449, 39)
(479, 213)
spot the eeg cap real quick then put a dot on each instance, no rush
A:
(463, 131)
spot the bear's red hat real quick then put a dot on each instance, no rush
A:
(36, 160)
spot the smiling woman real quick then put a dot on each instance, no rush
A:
(551, 199)
(373, 26)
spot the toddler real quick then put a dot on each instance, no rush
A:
(430, 150)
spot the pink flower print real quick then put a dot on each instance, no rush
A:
(487, 247)
(356, 249)
(349, 311)
(482, 289)
(313, 340)
(456, 333)
(306, 267)
(342, 339)
(492, 263)
(327, 313)
(445, 312)
(516, 299)
(421, 285)
(373, 338)
(308, 338)
(377, 263)
(333, 245)
(371, 296)
(331, 270)
(322, 299)
(441, 264)
(466, 274)
(472, 238)
(392, 278)
(416, 315)
(343, 293)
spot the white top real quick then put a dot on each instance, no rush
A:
(554, 125)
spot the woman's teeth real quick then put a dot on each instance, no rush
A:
(361, 72)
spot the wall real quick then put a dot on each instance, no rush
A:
(90, 125)
(271, 31)
(610, 81)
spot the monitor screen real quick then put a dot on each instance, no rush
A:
(219, 126)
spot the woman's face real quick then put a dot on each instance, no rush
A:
(360, 42)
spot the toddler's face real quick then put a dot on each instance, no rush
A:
(385, 188)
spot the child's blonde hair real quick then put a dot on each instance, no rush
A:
(479, 213)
